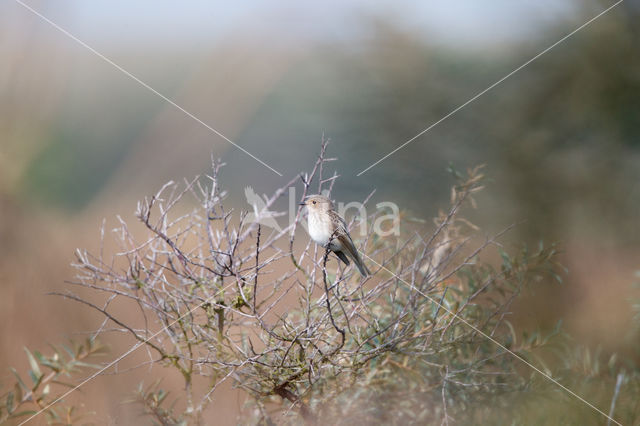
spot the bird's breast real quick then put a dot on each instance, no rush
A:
(319, 229)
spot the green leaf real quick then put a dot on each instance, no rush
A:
(85, 364)
(18, 392)
(15, 373)
(35, 379)
(39, 357)
(506, 260)
(514, 335)
(161, 395)
(70, 351)
(9, 404)
(58, 382)
(55, 366)
(35, 367)
(24, 413)
(52, 413)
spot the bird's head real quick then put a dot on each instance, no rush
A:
(317, 203)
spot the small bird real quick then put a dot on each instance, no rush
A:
(329, 230)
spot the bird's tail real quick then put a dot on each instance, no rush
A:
(352, 251)
(361, 266)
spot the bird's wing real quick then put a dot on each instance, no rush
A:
(342, 235)
(338, 223)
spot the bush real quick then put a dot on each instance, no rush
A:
(425, 339)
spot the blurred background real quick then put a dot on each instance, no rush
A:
(81, 141)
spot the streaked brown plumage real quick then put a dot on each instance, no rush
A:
(328, 229)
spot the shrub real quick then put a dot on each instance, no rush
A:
(425, 339)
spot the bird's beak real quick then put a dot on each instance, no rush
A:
(302, 204)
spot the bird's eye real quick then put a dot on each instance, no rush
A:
(313, 202)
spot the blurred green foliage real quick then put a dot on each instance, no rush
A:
(561, 137)
(86, 146)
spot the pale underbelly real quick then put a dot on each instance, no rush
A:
(319, 231)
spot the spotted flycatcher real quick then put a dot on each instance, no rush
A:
(329, 230)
